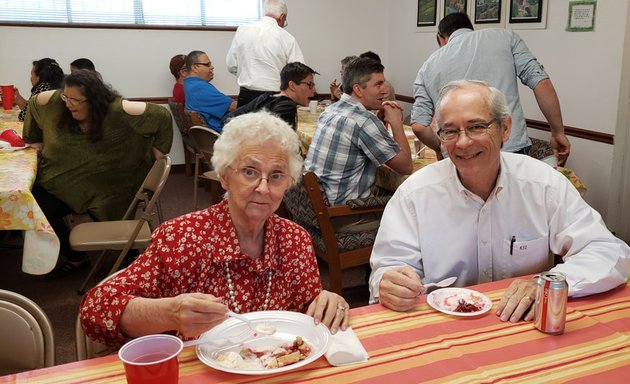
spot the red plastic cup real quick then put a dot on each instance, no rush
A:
(8, 97)
(10, 136)
(151, 359)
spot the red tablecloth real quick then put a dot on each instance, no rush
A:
(427, 346)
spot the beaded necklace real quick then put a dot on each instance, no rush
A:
(237, 308)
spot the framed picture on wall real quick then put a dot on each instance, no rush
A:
(527, 14)
(526, 11)
(427, 13)
(487, 11)
(454, 6)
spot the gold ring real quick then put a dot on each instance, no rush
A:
(342, 307)
(528, 297)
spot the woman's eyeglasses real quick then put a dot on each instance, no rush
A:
(71, 100)
(204, 64)
(252, 177)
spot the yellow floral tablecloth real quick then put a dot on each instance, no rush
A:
(18, 208)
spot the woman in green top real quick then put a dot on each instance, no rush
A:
(95, 150)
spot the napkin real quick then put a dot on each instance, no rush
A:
(5, 144)
(345, 348)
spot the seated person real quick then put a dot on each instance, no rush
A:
(178, 70)
(350, 142)
(95, 148)
(235, 255)
(46, 74)
(391, 94)
(200, 95)
(84, 63)
(485, 215)
(296, 88)
(335, 88)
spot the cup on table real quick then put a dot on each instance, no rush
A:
(11, 137)
(312, 106)
(151, 359)
(8, 97)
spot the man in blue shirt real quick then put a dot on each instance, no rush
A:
(497, 56)
(201, 96)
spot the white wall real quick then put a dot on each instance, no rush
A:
(585, 67)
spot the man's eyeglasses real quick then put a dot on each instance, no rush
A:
(252, 177)
(204, 64)
(473, 131)
(309, 84)
(71, 100)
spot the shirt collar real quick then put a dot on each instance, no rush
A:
(223, 244)
(351, 100)
(458, 33)
(500, 184)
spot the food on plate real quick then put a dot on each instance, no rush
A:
(266, 357)
(463, 304)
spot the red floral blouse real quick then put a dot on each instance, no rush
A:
(190, 254)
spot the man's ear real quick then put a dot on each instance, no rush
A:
(506, 126)
(357, 90)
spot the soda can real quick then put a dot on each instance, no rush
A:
(552, 293)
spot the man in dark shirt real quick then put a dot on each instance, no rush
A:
(296, 88)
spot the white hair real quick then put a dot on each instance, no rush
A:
(275, 8)
(252, 129)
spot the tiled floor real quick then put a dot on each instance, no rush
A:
(58, 297)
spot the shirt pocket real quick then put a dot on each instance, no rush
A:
(528, 256)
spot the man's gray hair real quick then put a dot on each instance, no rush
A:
(496, 101)
(275, 8)
(254, 129)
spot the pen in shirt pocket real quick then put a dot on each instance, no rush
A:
(512, 244)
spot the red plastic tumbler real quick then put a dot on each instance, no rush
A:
(8, 97)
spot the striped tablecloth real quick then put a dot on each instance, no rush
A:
(427, 346)
(18, 208)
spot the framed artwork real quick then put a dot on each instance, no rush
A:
(526, 11)
(487, 12)
(427, 13)
(454, 6)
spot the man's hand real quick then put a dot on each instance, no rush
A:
(393, 111)
(518, 301)
(561, 147)
(399, 288)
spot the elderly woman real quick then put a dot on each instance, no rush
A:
(234, 255)
(96, 149)
(46, 74)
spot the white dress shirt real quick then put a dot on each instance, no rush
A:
(440, 229)
(258, 53)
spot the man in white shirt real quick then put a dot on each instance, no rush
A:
(485, 215)
(260, 50)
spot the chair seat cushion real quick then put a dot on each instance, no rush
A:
(110, 235)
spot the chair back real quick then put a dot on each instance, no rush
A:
(177, 110)
(203, 139)
(540, 149)
(86, 347)
(26, 335)
(149, 192)
(194, 118)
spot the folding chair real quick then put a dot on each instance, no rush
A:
(86, 347)
(27, 336)
(129, 232)
(203, 139)
(177, 110)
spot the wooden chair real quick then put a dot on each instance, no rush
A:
(540, 149)
(308, 206)
(129, 232)
(27, 337)
(203, 139)
(177, 110)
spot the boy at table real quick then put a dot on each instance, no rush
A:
(485, 215)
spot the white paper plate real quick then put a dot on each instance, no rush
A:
(11, 149)
(288, 326)
(446, 299)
